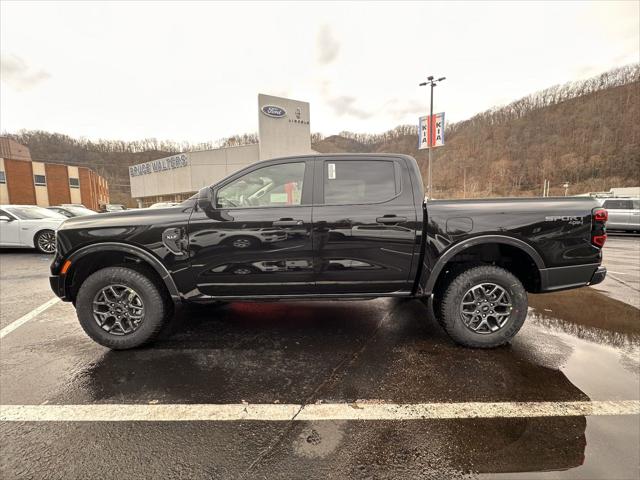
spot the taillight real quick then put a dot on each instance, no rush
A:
(601, 215)
(598, 228)
(598, 240)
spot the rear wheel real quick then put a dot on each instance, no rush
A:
(483, 307)
(45, 241)
(121, 308)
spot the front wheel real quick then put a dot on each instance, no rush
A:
(45, 241)
(483, 307)
(121, 308)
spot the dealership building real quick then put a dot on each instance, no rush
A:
(283, 130)
(27, 182)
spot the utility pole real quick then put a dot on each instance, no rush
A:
(431, 82)
(464, 182)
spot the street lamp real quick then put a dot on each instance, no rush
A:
(431, 82)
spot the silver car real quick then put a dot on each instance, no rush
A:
(624, 213)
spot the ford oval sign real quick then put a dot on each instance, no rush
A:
(274, 111)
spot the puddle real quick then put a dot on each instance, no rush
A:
(589, 308)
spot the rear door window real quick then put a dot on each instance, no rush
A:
(351, 182)
(618, 204)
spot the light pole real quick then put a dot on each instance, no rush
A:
(431, 82)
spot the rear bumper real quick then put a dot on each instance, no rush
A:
(599, 275)
(564, 278)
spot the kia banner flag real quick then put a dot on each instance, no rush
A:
(437, 132)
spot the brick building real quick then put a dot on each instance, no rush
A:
(26, 182)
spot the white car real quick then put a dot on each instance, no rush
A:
(29, 226)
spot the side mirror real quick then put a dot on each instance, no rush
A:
(4, 218)
(206, 198)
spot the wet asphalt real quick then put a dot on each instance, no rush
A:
(579, 345)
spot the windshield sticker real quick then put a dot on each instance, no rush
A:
(332, 171)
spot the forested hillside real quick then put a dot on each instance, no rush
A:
(585, 133)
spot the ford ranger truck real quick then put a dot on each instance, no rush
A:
(327, 227)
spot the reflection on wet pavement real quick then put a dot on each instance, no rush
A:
(307, 352)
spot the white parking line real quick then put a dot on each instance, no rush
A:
(25, 318)
(314, 412)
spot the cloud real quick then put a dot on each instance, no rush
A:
(405, 110)
(328, 46)
(15, 72)
(345, 105)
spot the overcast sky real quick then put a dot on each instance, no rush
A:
(192, 71)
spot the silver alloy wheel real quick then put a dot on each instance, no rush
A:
(47, 242)
(241, 243)
(118, 309)
(485, 308)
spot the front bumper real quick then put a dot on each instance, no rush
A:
(57, 285)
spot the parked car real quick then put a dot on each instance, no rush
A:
(112, 207)
(624, 213)
(471, 261)
(164, 204)
(29, 226)
(72, 210)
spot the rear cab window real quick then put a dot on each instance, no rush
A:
(353, 182)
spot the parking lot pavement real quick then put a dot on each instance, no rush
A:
(622, 259)
(25, 283)
(280, 390)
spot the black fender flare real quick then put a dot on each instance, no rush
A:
(471, 242)
(134, 251)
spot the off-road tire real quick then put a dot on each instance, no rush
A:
(448, 312)
(156, 304)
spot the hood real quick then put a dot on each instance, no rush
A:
(126, 218)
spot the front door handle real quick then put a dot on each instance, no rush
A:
(288, 222)
(391, 219)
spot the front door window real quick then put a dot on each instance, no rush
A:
(273, 186)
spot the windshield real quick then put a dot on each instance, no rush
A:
(80, 211)
(33, 213)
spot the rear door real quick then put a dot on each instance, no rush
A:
(257, 240)
(364, 225)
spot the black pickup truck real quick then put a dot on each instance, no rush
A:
(327, 227)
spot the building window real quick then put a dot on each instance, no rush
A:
(3, 178)
(40, 180)
(74, 182)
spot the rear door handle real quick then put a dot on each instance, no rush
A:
(288, 222)
(391, 219)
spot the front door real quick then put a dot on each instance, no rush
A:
(257, 240)
(9, 229)
(364, 226)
